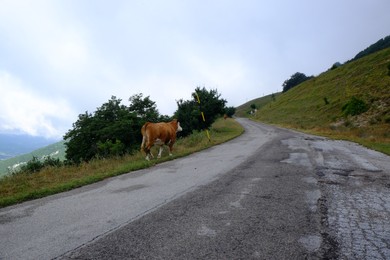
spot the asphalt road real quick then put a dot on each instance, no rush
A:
(268, 194)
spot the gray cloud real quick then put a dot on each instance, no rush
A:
(66, 57)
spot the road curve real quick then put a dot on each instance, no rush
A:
(296, 197)
(49, 227)
(269, 194)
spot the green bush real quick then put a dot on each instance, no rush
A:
(49, 161)
(34, 165)
(189, 112)
(109, 148)
(354, 107)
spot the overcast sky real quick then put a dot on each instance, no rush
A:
(60, 58)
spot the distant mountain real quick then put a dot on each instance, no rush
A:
(56, 150)
(12, 145)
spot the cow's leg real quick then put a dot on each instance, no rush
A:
(148, 155)
(148, 152)
(170, 148)
(151, 154)
(160, 152)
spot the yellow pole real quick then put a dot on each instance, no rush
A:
(204, 120)
(197, 96)
(208, 135)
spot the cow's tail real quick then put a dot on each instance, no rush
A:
(143, 132)
(143, 144)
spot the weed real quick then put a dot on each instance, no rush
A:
(326, 101)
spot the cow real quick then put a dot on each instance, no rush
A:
(159, 134)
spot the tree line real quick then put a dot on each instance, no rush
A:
(298, 77)
(114, 129)
(379, 45)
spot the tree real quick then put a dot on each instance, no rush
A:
(230, 111)
(189, 111)
(112, 130)
(335, 65)
(294, 80)
(144, 107)
(80, 139)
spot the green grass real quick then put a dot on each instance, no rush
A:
(304, 108)
(22, 187)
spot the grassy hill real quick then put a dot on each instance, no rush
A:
(245, 109)
(316, 105)
(56, 150)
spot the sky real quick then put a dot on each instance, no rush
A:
(60, 58)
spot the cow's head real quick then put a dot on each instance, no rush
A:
(176, 125)
(179, 127)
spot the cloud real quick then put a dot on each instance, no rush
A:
(70, 56)
(24, 110)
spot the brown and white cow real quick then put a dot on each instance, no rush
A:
(159, 134)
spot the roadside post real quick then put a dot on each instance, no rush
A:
(202, 114)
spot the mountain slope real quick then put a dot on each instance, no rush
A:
(316, 105)
(56, 150)
(12, 145)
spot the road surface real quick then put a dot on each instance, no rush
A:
(268, 194)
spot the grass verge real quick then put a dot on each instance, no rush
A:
(51, 180)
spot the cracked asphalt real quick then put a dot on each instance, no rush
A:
(354, 200)
(269, 194)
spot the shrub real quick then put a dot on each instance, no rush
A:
(326, 101)
(34, 165)
(230, 111)
(109, 148)
(189, 111)
(354, 107)
(49, 161)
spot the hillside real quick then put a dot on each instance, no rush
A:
(316, 105)
(56, 150)
(245, 109)
(16, 144)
